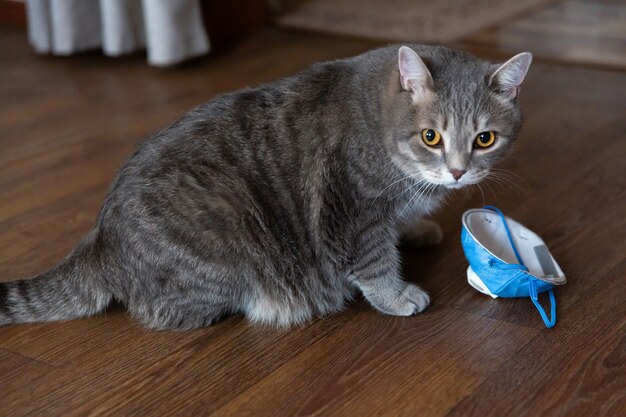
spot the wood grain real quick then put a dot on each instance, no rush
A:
(66, 125)
(579, 369)
(387, 366)
(419, 21)
(583, 32)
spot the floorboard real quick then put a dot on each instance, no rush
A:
(66, 125)
(582, 32)
(387, 367)
(17, 374)
(576, 370)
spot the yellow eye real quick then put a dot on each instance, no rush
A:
(431, 137)
(485, 139)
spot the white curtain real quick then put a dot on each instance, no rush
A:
(170, 30)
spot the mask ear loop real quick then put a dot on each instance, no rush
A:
(534, 296)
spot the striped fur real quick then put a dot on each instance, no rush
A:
(278, 202)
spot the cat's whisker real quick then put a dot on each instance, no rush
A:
(409, 175)
(498, 182)
(430, 193)
(446, 199)
(503, 180)
(404, 175)
(512, 176)
(418, 194)
(408, 205)
(506, 171)
(430, 189)
(491, 189)
(417, 184)
(500, 179)
(482, 193)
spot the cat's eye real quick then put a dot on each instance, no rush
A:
(485, 139)
(431, 137)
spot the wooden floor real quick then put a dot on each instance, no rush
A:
(66, 125)
(582, 32)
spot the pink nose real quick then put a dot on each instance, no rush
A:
(457, 173)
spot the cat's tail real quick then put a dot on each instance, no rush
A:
(74, 288)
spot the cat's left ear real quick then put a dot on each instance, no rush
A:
(414, 75)
(507, 78)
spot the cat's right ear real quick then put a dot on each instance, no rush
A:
(507, 78)
(414, 76)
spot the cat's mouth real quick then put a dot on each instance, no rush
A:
(468, 179)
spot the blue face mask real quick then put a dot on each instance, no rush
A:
(508, 260)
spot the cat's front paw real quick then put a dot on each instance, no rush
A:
(417, 297)
(411, 301)
(423, 233)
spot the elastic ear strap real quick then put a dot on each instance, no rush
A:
(508, 233)
(533, 285)
(534, 297)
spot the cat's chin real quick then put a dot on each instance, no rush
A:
(455, 186)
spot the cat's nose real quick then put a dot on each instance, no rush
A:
(457, 173)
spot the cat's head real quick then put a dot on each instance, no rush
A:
(464, 115)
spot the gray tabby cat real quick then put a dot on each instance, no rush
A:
(281, 201)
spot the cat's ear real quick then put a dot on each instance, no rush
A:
(507, 78)
(414, 76)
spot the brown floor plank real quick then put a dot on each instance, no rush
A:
(97, 338)
(67, 124)
(578, 369)
(421, 21)
(202, 376)
(387, 367)
(588, 32)
(126, 370)
(17, 374)
(49, 231)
